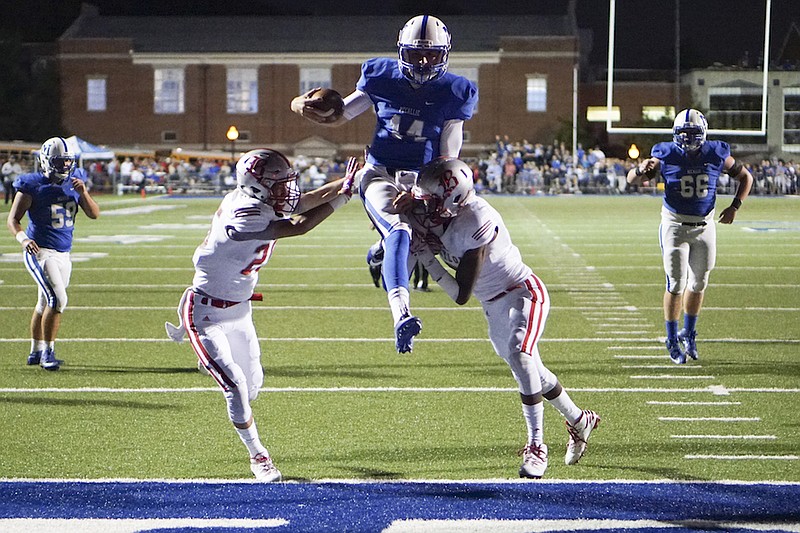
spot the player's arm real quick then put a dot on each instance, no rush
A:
(354, 104)
(458, 287)
(330, 191)
(22, 202)
(646, 170)
(743, 177)
(85, 200)
(452, 138)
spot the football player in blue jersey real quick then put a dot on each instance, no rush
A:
(420, 110)
(51, 198)
(690, 167)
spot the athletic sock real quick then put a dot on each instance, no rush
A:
(672, 330)
(689, 322)
(566, 407)
(250, 439)
(398, 303)
(534, 419)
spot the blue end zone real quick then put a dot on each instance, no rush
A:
(407, 506)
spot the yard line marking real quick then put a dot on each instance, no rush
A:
(641, 356)
(745, 457)
(686, 367)
(671, 376)
(391, 339)
(709, 419)
(726, 437)
(151, 390)
(693, 403)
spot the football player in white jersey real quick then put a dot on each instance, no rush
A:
(215, 311)
(420, 110)
(470, 236)
(690, 166)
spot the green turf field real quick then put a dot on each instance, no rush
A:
(341, 403)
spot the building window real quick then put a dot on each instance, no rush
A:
(471, 74)
(734, 108)
(314, 77)
(537, 93)
(596, 113)
(244, 136)
(242, 90)
(168, 91)
(791, 115)
(96, 94)
(169, 136)
(655, 113)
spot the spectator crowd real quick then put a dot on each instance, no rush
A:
(512, 167)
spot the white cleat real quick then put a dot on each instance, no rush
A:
(174, 332)
(264, 469)
(579, 434)
(534, 461)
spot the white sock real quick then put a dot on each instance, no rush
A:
(398, 303)
(566, 407)
(50, 345)
(250, 439)
(38, 345)
(534, 418)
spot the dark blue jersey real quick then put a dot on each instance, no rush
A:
(691, 180)
(410, 120)
(52, 211)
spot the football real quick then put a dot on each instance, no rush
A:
(331, 105)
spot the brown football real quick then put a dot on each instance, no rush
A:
(331, 105)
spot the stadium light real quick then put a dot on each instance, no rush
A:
(232, 134)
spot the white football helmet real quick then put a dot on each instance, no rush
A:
(423, 48)
(689, 130)
(444, 184)
(55, 160)
(268, 176)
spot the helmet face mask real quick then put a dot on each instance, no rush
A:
(55, 160)
(689, 130)
(444, 185)
(423, 49)
(267, 176)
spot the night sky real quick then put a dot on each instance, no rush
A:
(711, 30)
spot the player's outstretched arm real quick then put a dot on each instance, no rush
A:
(330, 191)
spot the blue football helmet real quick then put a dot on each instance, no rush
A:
(423, 49)
(689, 130)
(56, 160)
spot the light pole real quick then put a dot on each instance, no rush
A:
(232, 135)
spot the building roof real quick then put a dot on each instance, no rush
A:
(300, 34)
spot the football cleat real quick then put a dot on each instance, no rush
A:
(262, 467)
(579, 435)
(34, 358)
(48, 360)
(675, 353)
(687, 341)
(534, 461)
(405, 331)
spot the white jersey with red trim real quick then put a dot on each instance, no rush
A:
(228, 269)
(478, 224)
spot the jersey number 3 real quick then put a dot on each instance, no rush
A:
(694, 186)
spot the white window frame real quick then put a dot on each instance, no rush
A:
(242, 91)
(96, 93)
(311, 77)
(536, 93)
(168, 91)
